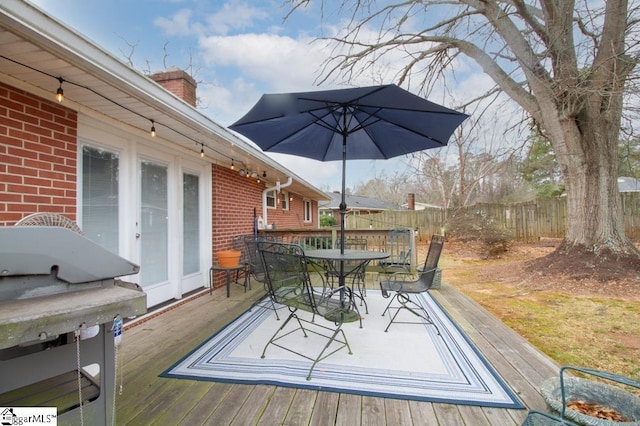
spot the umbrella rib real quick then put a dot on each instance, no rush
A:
(368, 121)
(405, 127)
(339, 128)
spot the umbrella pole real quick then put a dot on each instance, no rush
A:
(343, 209)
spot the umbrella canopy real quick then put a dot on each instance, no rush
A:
(377, 122)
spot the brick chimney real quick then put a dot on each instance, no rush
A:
(411, 201)
(179, 83)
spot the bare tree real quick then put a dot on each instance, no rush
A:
(393, 189)
(132, 49)
(476, 154)
(566, 63)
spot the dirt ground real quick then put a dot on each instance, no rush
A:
(521, 264)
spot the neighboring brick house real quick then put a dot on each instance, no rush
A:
(152, 199)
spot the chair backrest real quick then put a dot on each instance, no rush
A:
(253, 257)
(399, 246)
(433, 255)
(49, 219)
(239, 244)
(353, 243)
(286, 274)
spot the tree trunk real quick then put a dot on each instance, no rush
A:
(589, 166)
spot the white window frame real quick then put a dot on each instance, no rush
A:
(271, 198)
(307, 210)
(284, 200)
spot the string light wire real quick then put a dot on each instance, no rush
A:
(60, 92)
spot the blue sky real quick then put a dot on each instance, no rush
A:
(238, 49)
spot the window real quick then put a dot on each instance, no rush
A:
(191, 223)
(307, 211)
(100, 199)
(284, 196)
(154, 222)
(271, 199)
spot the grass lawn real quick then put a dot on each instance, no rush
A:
(588, 324)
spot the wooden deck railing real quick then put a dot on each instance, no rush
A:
(326, 238)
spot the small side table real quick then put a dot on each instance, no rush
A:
(228, 270)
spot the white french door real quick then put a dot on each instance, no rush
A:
(148, 203)
(193, 266)
(153, 230)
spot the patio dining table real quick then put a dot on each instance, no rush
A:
(335, 260)
(335, 255)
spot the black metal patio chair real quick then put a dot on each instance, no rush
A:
(398, 245)
(287, 277)
(608, 390)
(560, 391)
(238, 244)
(256, 270)
(403, 289)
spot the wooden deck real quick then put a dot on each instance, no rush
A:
(151, 346)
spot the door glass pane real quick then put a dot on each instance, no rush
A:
(153, 223)
(100, 197)
(191, 225)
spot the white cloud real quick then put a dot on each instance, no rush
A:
(178, 24)
(280, 62)
(227, 102)
(234, 15)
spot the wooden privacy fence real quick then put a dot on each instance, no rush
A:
(528, 222)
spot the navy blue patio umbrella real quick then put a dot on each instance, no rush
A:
(377, 122)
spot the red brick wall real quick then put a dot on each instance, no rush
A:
(294, 217)
(38, 163)
(234, 198)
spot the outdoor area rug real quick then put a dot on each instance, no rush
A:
(410, 361)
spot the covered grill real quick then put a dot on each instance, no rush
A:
(57, 289)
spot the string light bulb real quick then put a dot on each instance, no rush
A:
(202, 151)
(153, 129)
(233, 167)
(60, 92)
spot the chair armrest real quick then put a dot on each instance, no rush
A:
(402, 276)
(601, 374)
(537, 418)
(597, 373)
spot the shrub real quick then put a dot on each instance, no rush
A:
(326, 220)
(477, 227)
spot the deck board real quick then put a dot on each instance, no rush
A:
(397, 412)
(373, 411)
(253, 407)
(349, 410)
(151, 346)
(278, 406)
(301, 408)
(230, 406)
(207, 404)
(325, 408)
